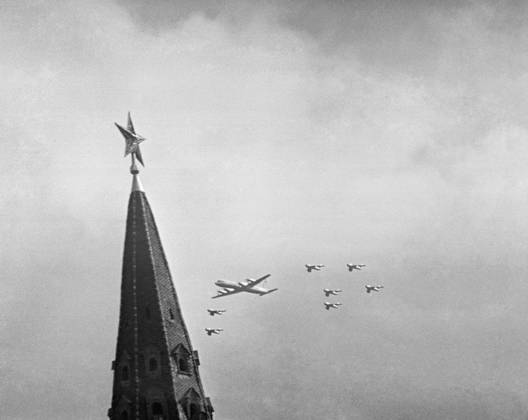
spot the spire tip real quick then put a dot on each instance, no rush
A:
(136, 183)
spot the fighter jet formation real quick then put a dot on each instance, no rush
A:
(334, 292)
(251, 286)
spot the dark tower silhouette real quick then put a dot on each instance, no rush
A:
(155, 369)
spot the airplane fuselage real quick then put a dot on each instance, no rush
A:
(226, 284)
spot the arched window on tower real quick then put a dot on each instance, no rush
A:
(151, 361)
(147, 312)
(182, 359)
(171, 314)
(124, 415)
(192, 405)
(156, 405)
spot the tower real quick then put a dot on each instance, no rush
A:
(156, 373)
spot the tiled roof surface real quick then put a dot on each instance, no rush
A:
(151, 324)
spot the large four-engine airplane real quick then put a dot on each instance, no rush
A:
(329, 292)
(329, 305)
(352, 267)
(373, 288)
(316, 267)
(211, 331)
(249, 286)
(214, 312)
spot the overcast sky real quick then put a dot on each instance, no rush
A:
(389, 133)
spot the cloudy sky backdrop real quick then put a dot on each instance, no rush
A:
(390, 133)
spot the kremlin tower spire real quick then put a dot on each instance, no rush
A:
(156, 373)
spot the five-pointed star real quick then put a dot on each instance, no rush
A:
(132, 140)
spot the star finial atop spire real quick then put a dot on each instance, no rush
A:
(132, 141)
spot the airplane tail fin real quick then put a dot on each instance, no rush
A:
(269, 291)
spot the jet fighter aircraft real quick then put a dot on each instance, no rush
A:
(316, 267)
(329, 292)
(214, 312)
(211, 331)
(230, 287)
(373, 288)
(329, 305)
(352, 267)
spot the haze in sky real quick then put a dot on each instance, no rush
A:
(280, 133)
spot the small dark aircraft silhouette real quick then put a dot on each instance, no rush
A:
(329, 292)
(211, 331)
(373, 288)
(352, 267)
(329, 305)
(316, 267)
(214, 312)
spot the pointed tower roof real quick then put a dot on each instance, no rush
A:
(156, 369)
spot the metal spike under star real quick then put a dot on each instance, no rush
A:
(132, 141)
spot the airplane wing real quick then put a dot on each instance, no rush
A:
(252, 283)
(231, 292)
